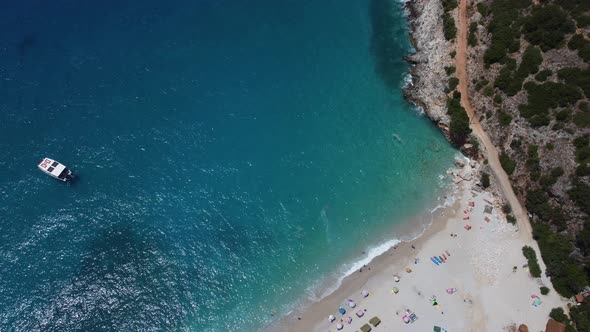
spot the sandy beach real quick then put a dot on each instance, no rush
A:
(474, 288)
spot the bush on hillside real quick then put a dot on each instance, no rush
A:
(583, 170)
(507, 164)
(576, 77)
(543, 75)
(547, 26)
(453, 82)
(449, 27)
(542, 97)
(580, 194)
(577, 42)
(537, 203)
(567, 276)
(504, 29)
(485, 180)
(459, 127)
(504, 118)
(449, 5)
(472, 38)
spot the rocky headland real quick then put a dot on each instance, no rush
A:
(429, 79)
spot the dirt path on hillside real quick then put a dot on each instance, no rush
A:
(492, 154)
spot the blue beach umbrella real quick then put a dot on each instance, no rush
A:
(341, 311)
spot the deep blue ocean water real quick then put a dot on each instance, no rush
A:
(230, 155)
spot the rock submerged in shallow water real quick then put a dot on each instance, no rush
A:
(459, 163)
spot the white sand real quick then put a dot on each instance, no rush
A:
(490, 296)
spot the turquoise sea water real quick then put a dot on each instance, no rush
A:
(230, 154)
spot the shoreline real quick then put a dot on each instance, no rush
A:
(479, 267)
(314, 310)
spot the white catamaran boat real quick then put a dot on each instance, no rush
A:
(56, 169)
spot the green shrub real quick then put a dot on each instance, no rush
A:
(449, 27)
(531, 257)
(557, 126)
(582, 149)
(580, 194)
(543, 97)
(510, 79)
(544, 290)
(453, 82)
(511, 219)
(504, 118)
(583, 170)
(563, 115)
(557, 172)
(547, 26)
(583, 239)
(497, 99)
(450, 70)
(550, 146)
(576, 77)
(452, 54)
(537, 203)
(504, 29)
(543, 75)
(546, 181)
(449, 5)
(488, 91)
(582, 20)
(577, 42)
(567, 276)
(483, 9)
(582, 119)
(558, 314)
(485, 180)
(472, 38)
(581, 316)
(507, 164)
(531, 60)
(459, 127)
(581, 141)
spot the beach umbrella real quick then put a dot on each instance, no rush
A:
(408, 270)
(523, 328)
(341, 311)
(365, 293)
(339, 326)
(348, 319)
(395, 290)
(405, 319)
(396, 278)
(331, 318)
(451, 290)
(351, 303)
(360, 313)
